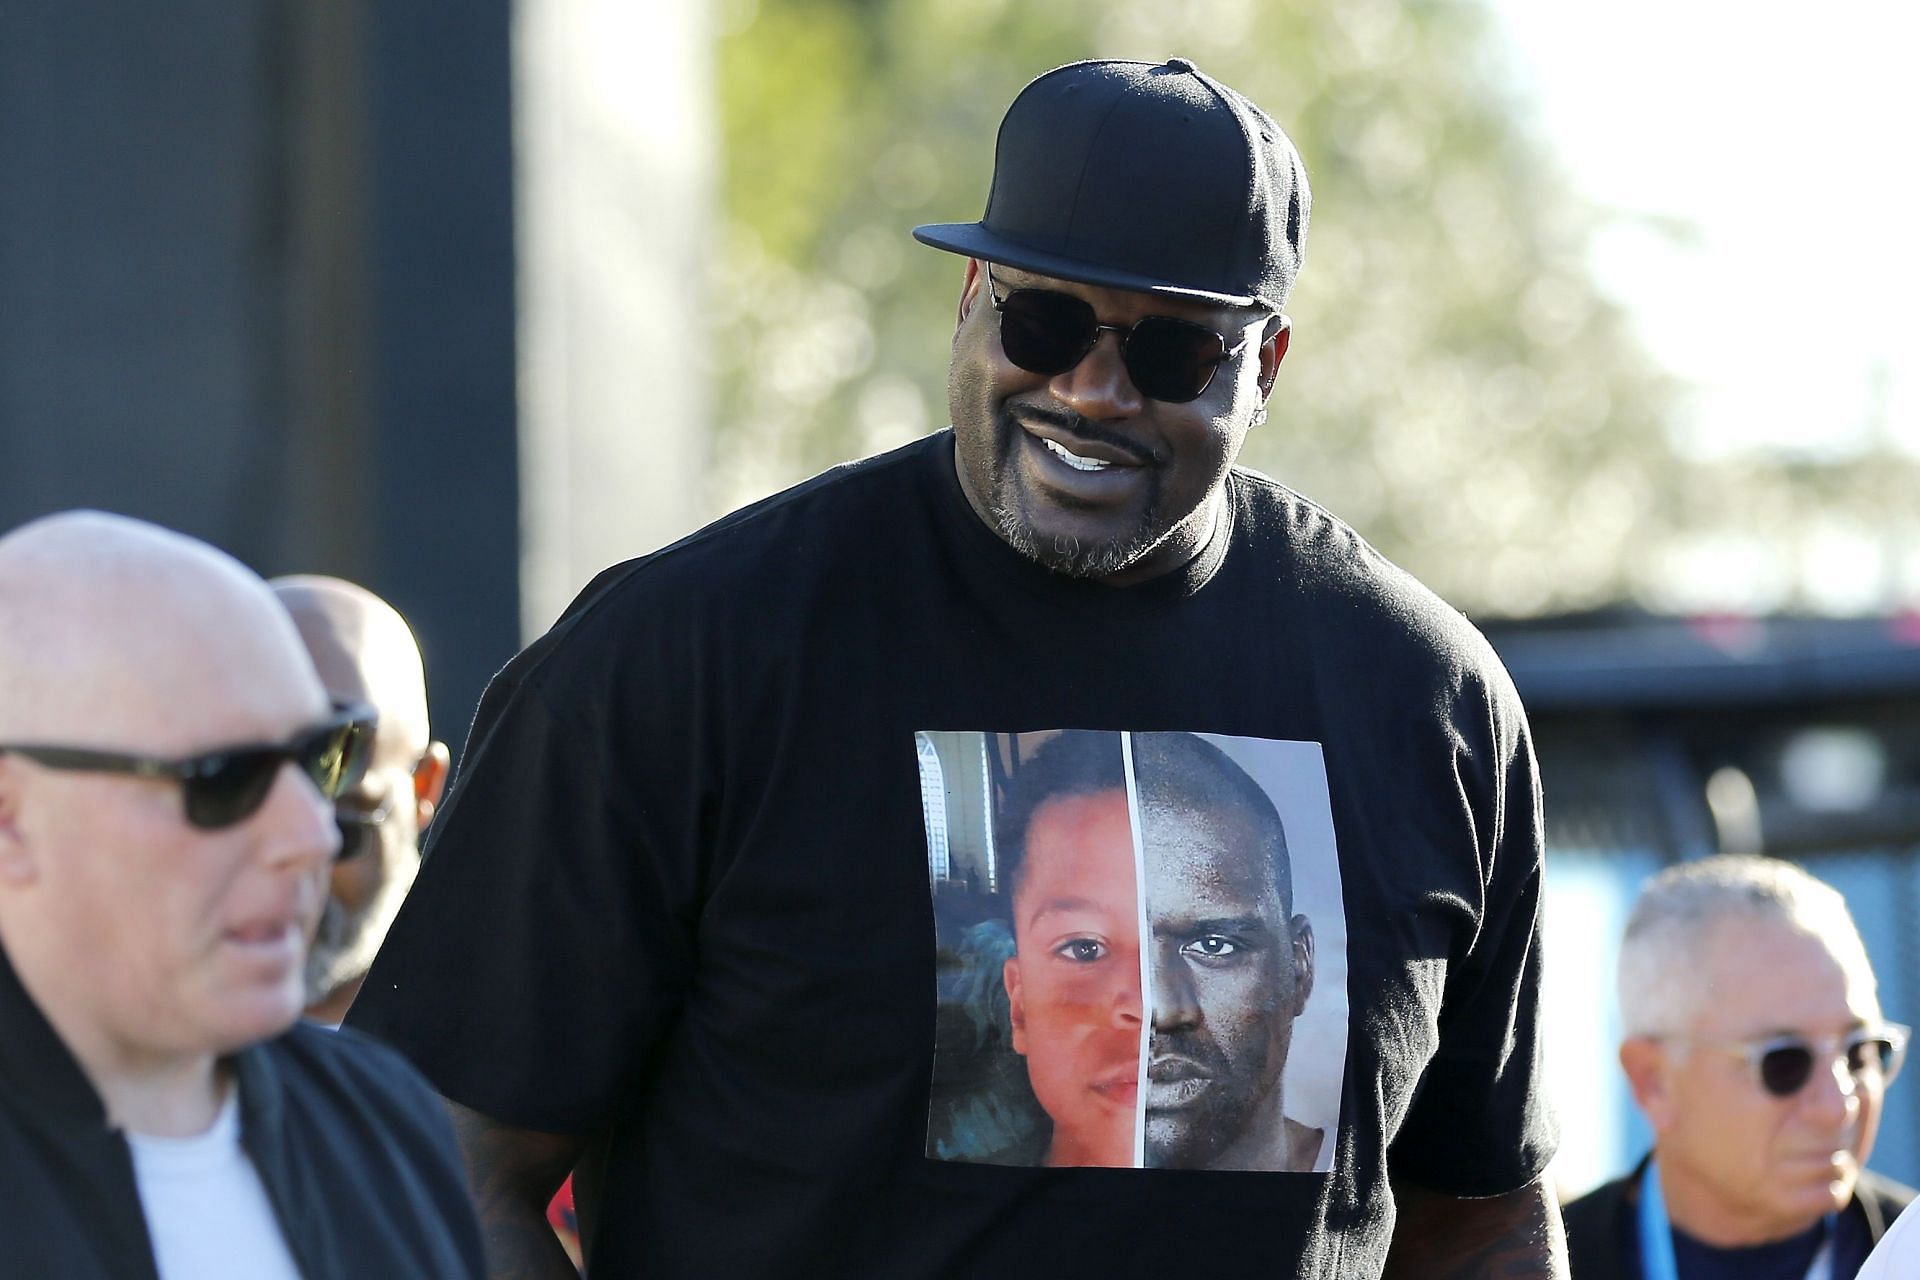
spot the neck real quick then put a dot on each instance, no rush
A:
(1697, 1209)
(167, 1094)
(176, 1103)
(333, 1009)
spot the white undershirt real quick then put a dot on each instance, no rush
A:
(207, 1210)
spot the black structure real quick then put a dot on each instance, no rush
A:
(257, 262)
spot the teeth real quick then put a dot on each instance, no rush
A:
(1074, 460)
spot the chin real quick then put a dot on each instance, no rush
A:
(261, 1014)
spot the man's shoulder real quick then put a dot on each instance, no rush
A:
(799, 542)
(846, 497)
(1350, 584)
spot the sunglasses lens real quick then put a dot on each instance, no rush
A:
(336, 757)
(226, 788)
(1172, 360)
(1869, 1055)
(1783, 1071)
(1045, 332)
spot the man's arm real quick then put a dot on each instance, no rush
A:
(1507, 1237)
(514, 1174)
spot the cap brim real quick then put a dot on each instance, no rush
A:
(975, 241)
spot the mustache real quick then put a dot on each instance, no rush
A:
(1200, 1050)
(1083, 427)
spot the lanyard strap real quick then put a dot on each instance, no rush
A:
(1656, 1235)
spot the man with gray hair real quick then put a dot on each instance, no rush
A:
(1755, 1045)
(168, 760)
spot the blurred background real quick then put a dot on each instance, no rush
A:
(1605, 331)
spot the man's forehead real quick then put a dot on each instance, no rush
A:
(116, 631)
(1761, 974)
(363, 651)
(1106, 299)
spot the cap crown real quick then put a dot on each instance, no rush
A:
(1142, 176)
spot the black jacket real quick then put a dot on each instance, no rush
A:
(1603, 1224)
(356, 1155)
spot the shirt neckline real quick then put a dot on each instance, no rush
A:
(983, 552)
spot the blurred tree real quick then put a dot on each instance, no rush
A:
(1457, 388)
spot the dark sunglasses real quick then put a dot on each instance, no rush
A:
(228, 785)
(360, 831)
(1783, 1064)
(1049, 332)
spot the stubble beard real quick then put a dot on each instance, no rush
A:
(1008, 500)
(346, 941)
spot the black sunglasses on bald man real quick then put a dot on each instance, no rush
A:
(1048, 332)
(228, 785)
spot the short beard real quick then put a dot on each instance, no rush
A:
(1063, 554)
(346, 941)
(1069, 556)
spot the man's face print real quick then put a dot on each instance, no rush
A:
(1073, 983)
(1124, 968)
(1230, 973)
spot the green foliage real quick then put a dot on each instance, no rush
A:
(1457, 389)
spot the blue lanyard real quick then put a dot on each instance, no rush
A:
(1656, 1236)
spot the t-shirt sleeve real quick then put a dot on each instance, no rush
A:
(1479, 1124)
(544, 947)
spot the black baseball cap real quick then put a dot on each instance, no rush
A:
(1146, 176)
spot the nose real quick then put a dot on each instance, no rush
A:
(1176, 1006)
(1098, 388)
(1126, 995)
(297, 827)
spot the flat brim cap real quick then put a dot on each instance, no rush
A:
(1144, 176)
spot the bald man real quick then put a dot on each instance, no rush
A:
(365, 652)
(168, 759)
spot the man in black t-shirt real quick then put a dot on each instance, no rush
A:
(674, 924)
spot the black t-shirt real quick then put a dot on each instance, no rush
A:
(679, 894)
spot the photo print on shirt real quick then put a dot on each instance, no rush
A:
(1141, 950)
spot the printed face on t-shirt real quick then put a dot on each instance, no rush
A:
(1229, 978)
(1073, 983)
(1124, 970)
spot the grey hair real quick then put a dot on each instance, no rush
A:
(1673, 922)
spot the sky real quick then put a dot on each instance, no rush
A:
(1756, 165)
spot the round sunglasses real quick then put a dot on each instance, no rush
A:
(1783, 1064)
(226, 786)
(1048, 332)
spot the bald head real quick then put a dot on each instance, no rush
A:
(108, 625)
(365, 652)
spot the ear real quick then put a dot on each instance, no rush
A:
(1302, 963)
(1273, 349)
(17, 866)
(971, 287)
(1016, 1007)
(1649, 1069)
(430, 780)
